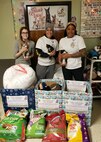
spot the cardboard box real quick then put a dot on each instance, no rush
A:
(16, 99)
(78, 101)
(50, 100)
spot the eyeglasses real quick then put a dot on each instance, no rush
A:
(24, 32)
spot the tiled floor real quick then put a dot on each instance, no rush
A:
(94, 129)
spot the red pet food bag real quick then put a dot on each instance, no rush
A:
(56, 127)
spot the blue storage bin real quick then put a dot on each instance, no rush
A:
(16, 99)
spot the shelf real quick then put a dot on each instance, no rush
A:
(95, 81)
(97, 95)
(97, 60)
(96, 92)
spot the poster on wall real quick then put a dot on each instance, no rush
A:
(38, 16)
(91, 18)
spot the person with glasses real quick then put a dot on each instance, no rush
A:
(24, 47)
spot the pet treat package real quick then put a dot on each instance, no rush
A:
(12, 127)
(56, 127)
(36, 125)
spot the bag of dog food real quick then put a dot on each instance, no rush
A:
(12, 127)
(56, 127)
(36, 125)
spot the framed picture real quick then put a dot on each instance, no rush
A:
(38, 14)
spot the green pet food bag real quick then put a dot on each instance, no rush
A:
(36, 125)
(12, 127)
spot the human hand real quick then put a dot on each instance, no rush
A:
(26, 58)
(52, 53)
(62, 61)
(24, 49)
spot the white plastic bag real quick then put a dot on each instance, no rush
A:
(20, 76)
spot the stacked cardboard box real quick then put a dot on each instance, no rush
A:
(77, 98)
(50, 100)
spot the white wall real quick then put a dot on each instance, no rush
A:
(6, 30)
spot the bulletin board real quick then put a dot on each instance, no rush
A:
(91, 18)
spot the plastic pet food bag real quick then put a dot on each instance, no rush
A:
(56, 127)
(36, 125)
(74, 132)
(12, 127)
(84, 128)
